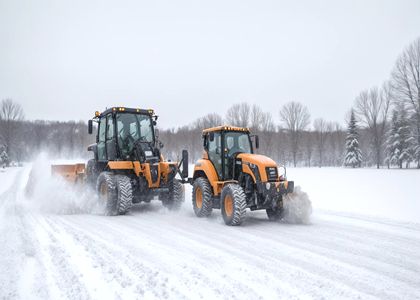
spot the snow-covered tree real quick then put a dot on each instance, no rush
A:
(392, 141)
(353, 157)
(400, 147)
(4, 158)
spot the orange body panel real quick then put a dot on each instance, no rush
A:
(143, 170)
(261, 161)
(207, 167)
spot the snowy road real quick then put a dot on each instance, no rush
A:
(156, 254)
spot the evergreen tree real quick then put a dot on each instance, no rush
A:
(400, 147)
(393, 141)
(4, 158)
(353, 157)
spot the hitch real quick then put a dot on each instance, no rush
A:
(182, 168)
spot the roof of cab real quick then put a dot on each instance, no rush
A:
(226, 128)
(124, 109)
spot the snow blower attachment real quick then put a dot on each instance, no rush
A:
(232, 178)
(73, 173)
(127, 166)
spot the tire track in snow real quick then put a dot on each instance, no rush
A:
(220, 249)
(19, 250)
(137, 279)
(153, 253)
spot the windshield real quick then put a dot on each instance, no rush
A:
(133, 127)
(237, 142)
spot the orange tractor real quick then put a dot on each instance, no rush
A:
(231, 177)
(127, 166)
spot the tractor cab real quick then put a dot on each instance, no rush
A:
(125, 134)
(223, 144)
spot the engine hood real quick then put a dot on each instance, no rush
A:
(261, 161)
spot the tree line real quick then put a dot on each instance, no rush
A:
(382, 128)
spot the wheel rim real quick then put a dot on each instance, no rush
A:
(198, 198)
(228, 205)
(103, 191)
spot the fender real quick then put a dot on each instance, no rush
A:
(207, 168)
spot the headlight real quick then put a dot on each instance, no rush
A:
(252, 166)
(267, 185)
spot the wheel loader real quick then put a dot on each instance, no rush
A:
(127, 166)
(232, 178)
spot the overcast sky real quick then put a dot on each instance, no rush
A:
(63, 60)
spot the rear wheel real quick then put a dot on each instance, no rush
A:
(107, 192)
(233, 204)
(176, 196)
(91, 173)
(201, 197)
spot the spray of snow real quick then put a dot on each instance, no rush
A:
(53, 194)
(297, 207)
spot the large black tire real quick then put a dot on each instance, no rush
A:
(201, 197)
(233, 204)
(106, 188)
(275, 214)
(125, 194)
(116, 192)
(175, 197)
(91, 173)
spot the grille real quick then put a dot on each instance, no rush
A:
(272, 173)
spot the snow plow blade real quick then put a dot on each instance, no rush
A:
(72, 173)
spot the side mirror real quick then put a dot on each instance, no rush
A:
(282, 172)
(90, 126)
(184, 173)
(157, 133)
(211, 136)
(257, 141)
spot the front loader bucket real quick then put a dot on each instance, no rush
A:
(72, 173)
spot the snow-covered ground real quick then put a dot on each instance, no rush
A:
(7, 177)
(345, 253)
(393, 194)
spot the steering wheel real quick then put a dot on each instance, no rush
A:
(127, 141)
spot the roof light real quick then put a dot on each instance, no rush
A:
(97, 113)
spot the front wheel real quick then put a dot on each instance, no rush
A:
(233, 204)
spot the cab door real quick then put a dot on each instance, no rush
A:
(214, 150)
(101, 140)
(111, 147)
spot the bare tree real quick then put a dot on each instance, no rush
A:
(308, 141)
(10, 115)
(372, 107)
(320, 127)
(209, 120)
(406, 86)
(295, 118)
(239, 115)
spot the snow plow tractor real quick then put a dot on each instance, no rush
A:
(232, 178)
(127, 166)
